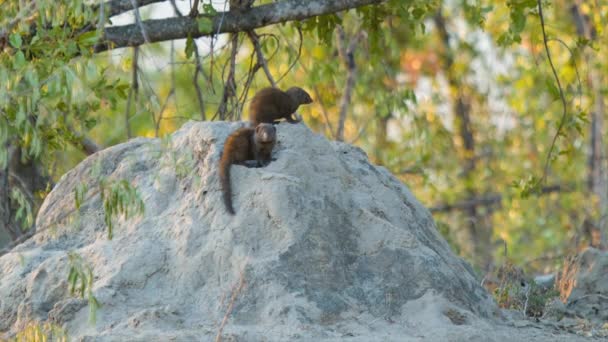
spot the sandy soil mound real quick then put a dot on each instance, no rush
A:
(324, 245)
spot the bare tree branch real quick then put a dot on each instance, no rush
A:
(260, 56)
(223, 22)
(489, 200)
(315, 89)
(138, 21)
(253, 69)
(5, 208)
(297, 56)
(199, 68)
(121, 6)
(194, 10)
(229, 84)
(89, 145)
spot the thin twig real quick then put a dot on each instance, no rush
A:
(199, 93)
(572, 58)
(169, 95)
(139, 22)
(229, 85)
(361, 131)
(133, 90)
(194, 10)
(321, 103)
(253, 69)
(315, 89)
(23, 186)
(235, 293)
(198, 67)
(177, 117)
(260, 56)
(562, 121)
(4, 195)
(212, 45)
(527, 299)
(297, 56)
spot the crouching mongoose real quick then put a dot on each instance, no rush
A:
(242, 145)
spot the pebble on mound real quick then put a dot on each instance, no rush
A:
(324, 245)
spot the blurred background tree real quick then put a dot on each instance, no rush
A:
(492, 112)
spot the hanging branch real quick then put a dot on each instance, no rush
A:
(315, 89)
(5, 210)
(260, 56)
(133, 90)
(193, 11)
(88, 145)
(253, 69)
(169, 95)
(562, 121)
(199, 68)
(229, 84)
(138, 21)
(490, 199)
(297, 59)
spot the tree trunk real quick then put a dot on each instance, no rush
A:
(29, 178)
(478, 223)
(597, 177)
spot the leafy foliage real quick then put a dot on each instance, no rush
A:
(24, 213)
(119, 198)
(80, 279)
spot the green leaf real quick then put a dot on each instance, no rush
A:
(189, 47)
(553, 90)
(518, 21)
(208, 9)
(88, 38)
(205, 25)
(19, 60)
(15, 40)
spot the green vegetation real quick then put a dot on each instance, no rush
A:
(80, 279)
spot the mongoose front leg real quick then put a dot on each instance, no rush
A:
(291, 120)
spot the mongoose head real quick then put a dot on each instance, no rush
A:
(299, 95)
(265, 134)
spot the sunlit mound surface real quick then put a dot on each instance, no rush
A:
(324, 245)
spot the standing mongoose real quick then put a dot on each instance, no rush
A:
(245, 144)
(270, 104)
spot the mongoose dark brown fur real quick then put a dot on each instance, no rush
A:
(245, 144)
(270, 104)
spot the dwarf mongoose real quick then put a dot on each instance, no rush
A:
(242, 145)
(270, 104)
